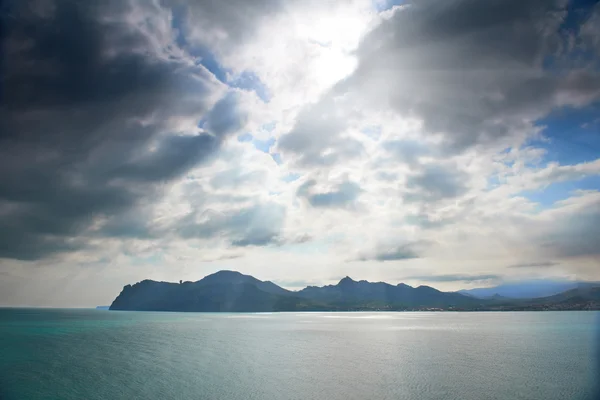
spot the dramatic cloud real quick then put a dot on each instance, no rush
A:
(446, 141)
(102, 114)
(471, 70)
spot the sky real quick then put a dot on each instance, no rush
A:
(450, 143)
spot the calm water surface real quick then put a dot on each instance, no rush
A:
(92, 354)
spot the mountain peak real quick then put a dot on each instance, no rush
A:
(346, 280)
(225, 272)
(225, 276)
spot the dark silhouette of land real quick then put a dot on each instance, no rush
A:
(230, 291)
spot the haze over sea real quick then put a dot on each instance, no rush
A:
(92, 354)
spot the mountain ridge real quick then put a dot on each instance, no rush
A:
(232, 291)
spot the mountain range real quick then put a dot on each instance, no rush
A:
(527, 289)
(231, 291)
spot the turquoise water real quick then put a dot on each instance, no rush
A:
(92, 354)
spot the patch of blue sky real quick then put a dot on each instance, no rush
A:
(572, 135)
(208, 60)
(384, 5)
(263, 145)
(493, 182)
(277, 158)
(547, 197)
(247, 80)
(177, 23)
(245, 137)
(260, 145)
(204, 56)
(374, 132)
(578, 11)
(269, 126)
(291, 177)
(511, 163)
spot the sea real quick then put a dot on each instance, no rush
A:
(99, 354)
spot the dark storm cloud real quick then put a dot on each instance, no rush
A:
(344, 195)
(176, 155)
(91, 105)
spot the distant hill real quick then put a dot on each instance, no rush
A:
(581, 294)
(586, 297)
(230, 291)
(102, 307)
(527, 289)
